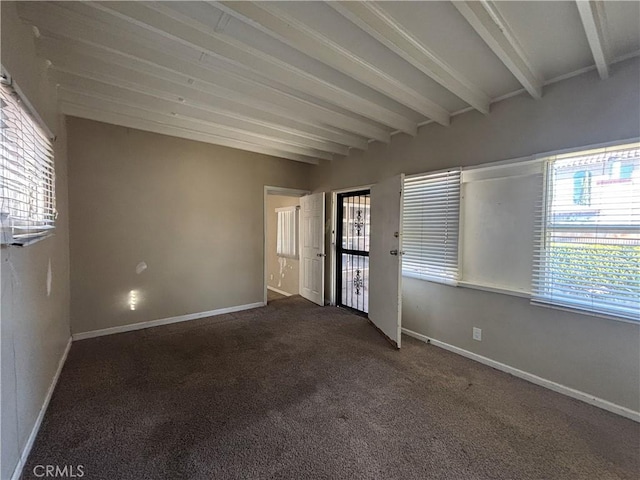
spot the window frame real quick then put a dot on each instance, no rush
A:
(39, 182)
(444, 272)
(542, 288)
(528, 169)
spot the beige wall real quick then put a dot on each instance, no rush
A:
(34, 326)
(282, 273)
(597, 356)
(193, 212)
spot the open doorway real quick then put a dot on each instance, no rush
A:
(283, 252)
(353, 229)
(366, 256)
(281, 246)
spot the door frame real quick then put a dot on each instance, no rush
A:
(338, 262)
(333, 258)
(273, 190)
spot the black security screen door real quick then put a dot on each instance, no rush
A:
(354, 225)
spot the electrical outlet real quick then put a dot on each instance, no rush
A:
(477, 334)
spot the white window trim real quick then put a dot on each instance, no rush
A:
(6, 231)
(7, 79)
(509, 169)
(572, 303)
(451, 281)
(485, 287)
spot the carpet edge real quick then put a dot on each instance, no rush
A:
(530, 377)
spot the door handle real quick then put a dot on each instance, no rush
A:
(396, 252)
(320, 255)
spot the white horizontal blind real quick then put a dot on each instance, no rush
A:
(287, 232)
(27, 176)
(588, 251)
(431, 220)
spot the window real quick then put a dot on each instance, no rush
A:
(588, 252)
(498, 217)
(27, 177)
(431, 217)
(287, 232)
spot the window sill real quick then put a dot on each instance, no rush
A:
(441, 281)
(472, 285)
(521, 294)
(495, 289)
(28, 242)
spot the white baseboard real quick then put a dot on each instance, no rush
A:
(36, 426)
(543, 382)
(277, 290)
(163, 321)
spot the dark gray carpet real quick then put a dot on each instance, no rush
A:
(271, 296)
(296, 391)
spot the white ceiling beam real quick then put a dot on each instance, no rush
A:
(370, 17)
(175, 75)
(490, 25)
(67, 63)
(595, 27)
(182, 109)
(119, 107)
(317, 45)
(169, 23)
(94, 67)
(177, 125)
(142, 124)
(115, 105)
(192, 115)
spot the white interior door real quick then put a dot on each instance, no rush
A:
(385, 258)
(312, 247)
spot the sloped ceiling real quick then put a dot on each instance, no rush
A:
(308, 81)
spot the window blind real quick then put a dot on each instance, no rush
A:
(431, 218)
(287, 232)
(27, 176)
(588, 243)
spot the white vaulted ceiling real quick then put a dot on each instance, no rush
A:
(308, 81)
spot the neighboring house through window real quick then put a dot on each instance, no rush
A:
(588, 254)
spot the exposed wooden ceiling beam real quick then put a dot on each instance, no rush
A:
(486, 20)
(119, 106)
(317, 45)
(108, 67)
(102, 111)
(80, 111)
(184, 110)
(166, 72)
(89, 69)
(383, 27)
(595, 26)
(167, 22)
